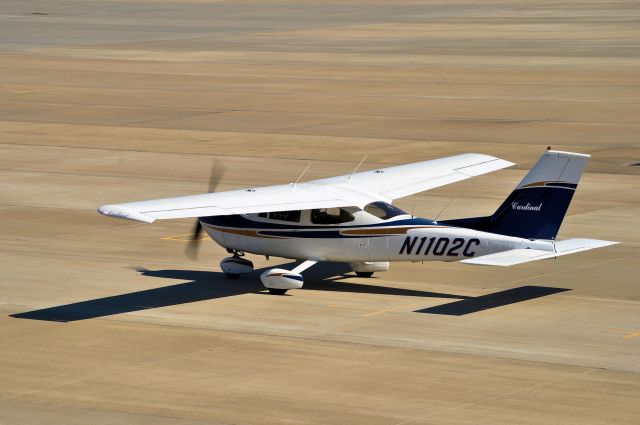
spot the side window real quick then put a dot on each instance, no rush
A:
(262, 215)
(375, 210)
(330, 216)
(383, 210)
(285, 215)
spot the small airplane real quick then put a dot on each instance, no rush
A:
(351, 219)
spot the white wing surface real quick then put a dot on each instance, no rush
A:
(403, 180)
(385, 184)
(246, 201)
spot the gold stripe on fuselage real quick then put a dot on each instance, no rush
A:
(255, 233)
(382, 232)
(246, 232)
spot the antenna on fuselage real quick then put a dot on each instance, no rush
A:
(301, 174)
(357, 167)
(435, 220)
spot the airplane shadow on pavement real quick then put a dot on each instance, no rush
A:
(207, 285)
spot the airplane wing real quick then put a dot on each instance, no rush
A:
(359, 189)
(403, 180)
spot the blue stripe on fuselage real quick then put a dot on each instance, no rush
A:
(298, 231)
(240, 222)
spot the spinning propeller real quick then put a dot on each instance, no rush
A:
(217, 170)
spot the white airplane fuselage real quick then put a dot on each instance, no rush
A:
(364, 239)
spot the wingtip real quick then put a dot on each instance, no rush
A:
(120, 211)
(566, 153)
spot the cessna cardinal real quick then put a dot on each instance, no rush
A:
(352, 219)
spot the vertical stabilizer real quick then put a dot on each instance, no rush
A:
(536, 208)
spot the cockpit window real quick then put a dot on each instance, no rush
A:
(285, 216)
(330, 216)
(383, 210)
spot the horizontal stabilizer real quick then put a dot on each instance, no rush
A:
(519, 256)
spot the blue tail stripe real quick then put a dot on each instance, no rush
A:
(532, 213)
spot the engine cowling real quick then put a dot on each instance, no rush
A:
(236, 266)
(281, 279)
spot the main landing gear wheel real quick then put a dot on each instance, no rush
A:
(279, 281)
(367, 268)
(233, 267)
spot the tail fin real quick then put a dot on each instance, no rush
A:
(536, 208)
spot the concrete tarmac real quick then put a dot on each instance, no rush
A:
(105, 321)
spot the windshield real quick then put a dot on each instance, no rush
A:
(383, 210)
